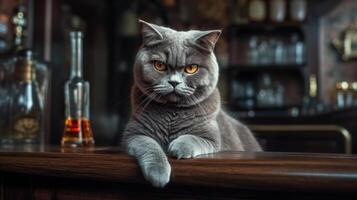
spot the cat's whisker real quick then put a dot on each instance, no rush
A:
(152, 98)
(147, 98)
(205, 115)
(145, 90)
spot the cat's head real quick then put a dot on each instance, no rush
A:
(176, 67)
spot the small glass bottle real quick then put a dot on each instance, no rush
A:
(77, 130)
(257, 10)
(277, 10)
(341, 88)
(298, 9)
(26, 103)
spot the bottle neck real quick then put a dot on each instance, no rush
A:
(76, 57)
(19, 20)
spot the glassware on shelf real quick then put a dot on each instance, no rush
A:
(296, 48)
(237, 90)
(275, 50)
(346, 94)
(341, 91)
(349, 95)
(279, 94)
(249, 95)
(238, 11)
(354, 90)
(270, 94)
(277, 10)
(272, 45)
(257, 10)
(4, 32)
(265, 96)
(263, 52)
(298, 10)
(310, 103)
(253, 52)
(22, 73)
(77, 129)
(279, 52)
(243, 93)
(26, 120)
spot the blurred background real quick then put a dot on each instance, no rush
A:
(287, 67)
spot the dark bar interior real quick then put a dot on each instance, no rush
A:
(69, 112)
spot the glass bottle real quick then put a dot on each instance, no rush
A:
(10, 60)
(277, 10)
(257, 10)
(298, 9)
(310, 102)
(354, 91)
(7, 66)
(349, 95)
(253, 54)
(238, 11)
(26, 103)
(77, 130)
(265, 95)
(341, 88)
(297, 50)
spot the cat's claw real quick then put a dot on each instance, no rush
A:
(182, 147)
(158, 174)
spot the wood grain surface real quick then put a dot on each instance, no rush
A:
(231, 170)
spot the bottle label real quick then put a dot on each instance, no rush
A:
(25, 71)
(26, 126)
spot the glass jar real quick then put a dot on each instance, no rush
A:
(257, 10)
(253, 54)
(354, 90)
(277, 10)
(298, 10)
(296, 50)
(341, 90)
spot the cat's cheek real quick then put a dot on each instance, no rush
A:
(204, 82)
(148, 75)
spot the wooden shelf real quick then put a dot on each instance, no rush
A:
(234, 107)
(301, 68)
(260, 111)
(283, 27)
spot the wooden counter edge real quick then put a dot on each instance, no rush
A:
(234, 170)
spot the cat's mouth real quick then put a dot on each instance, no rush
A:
(174, 96)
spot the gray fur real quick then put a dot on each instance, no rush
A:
(182, 121)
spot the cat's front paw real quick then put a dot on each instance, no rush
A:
(183, 147)
(158, 174)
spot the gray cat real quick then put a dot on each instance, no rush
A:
(176, 107)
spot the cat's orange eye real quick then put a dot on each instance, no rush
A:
(191, 69)
(160, 66)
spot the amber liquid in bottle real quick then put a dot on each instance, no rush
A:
(77, 133)
(77, 129)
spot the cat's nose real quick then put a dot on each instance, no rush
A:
(174, 83)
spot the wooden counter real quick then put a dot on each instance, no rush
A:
(107, 173)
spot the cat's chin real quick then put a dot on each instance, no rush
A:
(173, 97)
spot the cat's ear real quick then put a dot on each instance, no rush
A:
(207, 39)
(150, 33)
